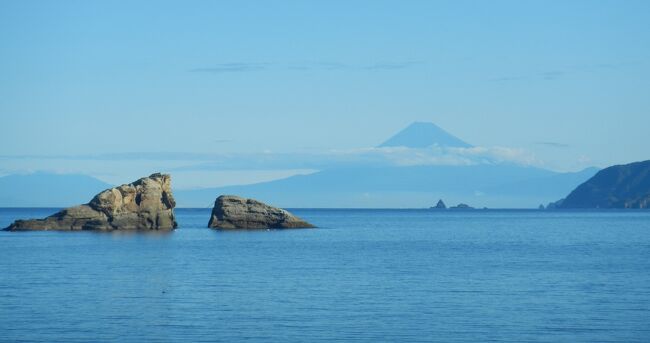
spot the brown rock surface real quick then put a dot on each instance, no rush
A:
(233, 212)
(146, 204)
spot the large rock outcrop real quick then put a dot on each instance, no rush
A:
(233, 212)
(146, 204)
(621, 186)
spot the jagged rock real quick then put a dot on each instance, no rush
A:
(439, 206)
(233, 212)
(146, 204)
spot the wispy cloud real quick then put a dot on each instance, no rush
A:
(546, 75)
(126, 156)
(235, 67)
(304, 66)
(552, 75)
(370, 157)
(319, 66)
(565, 71)
(393, 66)
(553, 144)
(323, 159)
(507, 78)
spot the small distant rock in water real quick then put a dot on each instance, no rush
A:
(440, 205)
(541, 207)
(461, 207)
(233, 212)
(146, 204)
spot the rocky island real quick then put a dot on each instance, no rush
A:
(461, 206)
(146, 204)
(233, 212)
(620, 186)
(439, 206)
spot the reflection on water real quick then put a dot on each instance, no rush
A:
(151, 234)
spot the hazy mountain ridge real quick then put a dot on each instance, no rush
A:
(488, 184)
(48, 189)
(364, 183)
(619, 186)
(484, 185)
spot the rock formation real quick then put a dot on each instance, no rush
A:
(233, 212)
(461, 206)
(621, 186)
(440, 205)
(146, 204)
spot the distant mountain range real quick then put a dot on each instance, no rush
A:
(494, 185)
(399, 187)
(48, 190)
(505, 185)
(620, 186)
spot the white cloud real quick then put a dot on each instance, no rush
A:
(230, 169)
(402, 156)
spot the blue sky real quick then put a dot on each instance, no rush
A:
(563, 81)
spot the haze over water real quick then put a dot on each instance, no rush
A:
(363, 276)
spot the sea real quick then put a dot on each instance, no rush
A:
(361, 276)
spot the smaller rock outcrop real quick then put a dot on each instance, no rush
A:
(146, 204)
(233, 212)
(461, 207)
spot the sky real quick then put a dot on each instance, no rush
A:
(118, 88)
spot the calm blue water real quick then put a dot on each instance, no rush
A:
(364, 276)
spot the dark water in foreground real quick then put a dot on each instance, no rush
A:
(364, 276)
